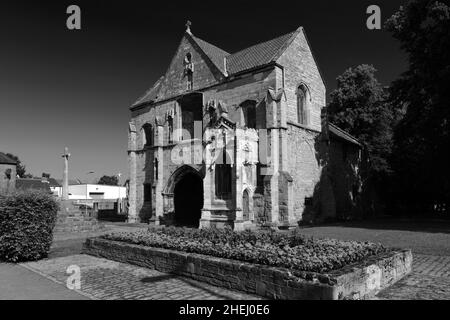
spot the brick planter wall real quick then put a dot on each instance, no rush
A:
(358, 281)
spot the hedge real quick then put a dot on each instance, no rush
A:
(289, 250)
(27, 220)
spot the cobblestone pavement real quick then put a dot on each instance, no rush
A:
(110, 280)
(106, 279)
(429, 280)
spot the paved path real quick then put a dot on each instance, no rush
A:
(105, 279)
(19, 283)
(428, 240)
(110, 280)
(429, 280)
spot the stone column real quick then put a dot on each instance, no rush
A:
(208, 181)
(273, 141)
(132, 213)
(237, 180)
(159, 155)
(65, 186)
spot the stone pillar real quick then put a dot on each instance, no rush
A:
(237, 191)
(132, 212)
(65, 186)
(159, 156)
(273, 140)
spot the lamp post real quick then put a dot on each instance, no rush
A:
(85, 205)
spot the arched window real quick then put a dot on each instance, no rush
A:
(148, 135)
(302, 104)
(249, 111)
(223, 176)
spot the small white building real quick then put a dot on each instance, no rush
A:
(96, 192)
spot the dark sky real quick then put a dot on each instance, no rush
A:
(73, 88)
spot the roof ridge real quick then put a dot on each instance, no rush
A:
(261, 43)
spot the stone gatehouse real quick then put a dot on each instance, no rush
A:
(239, 139)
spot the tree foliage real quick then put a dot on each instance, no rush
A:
(109, 180)
(358, 105)
(421, 138)
(20, 169)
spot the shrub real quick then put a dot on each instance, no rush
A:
(27, 220)
(289, 250)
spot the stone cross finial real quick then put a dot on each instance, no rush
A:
(188, 27)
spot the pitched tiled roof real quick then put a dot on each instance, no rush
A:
(257, 55)
(216, 54)
(32, 184)
(341, 134)
(4, 159)
(151, 94)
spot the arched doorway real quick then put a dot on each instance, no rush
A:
(188, 200)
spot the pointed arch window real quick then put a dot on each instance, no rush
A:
(249, 112)
(302, 104)
(148, 137)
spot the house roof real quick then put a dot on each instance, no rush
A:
(53, 183)
(32, 184)
(258, 55)
(72, 182)
(4, 159)
(151, 94)
(343, 135)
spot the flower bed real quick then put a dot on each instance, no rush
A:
(288, 250)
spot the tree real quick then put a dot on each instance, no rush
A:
(20, 169)
(109, 180)
(358, 105)
(422, 136)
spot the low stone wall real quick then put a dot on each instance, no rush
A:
(358, 281)
(71, 218)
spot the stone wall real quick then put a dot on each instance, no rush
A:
(72, 218)
(344, 168)
(7, 178)
(358, 281)
(252, 87)
(300, 67)
(305, 165)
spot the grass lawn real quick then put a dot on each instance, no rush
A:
(422, 236)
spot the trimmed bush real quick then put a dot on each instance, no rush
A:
(288, 250)
(27, 220)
